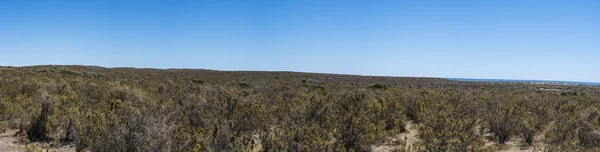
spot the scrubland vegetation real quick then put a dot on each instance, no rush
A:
(124, 109)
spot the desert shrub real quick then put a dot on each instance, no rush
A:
(574, 129)
(38, 130)
(92, 74)
(414, 106)
(69, 133)
(7, 110)
(167, 110)
(244, 85)
(565, 124)
(379, 86)
(357, 126)
(588, 134)
(449, 128)
(66, 71)
(44, 70)
(302, 121)
(224, 119)
(392, 111)
(129, 123)
(197, 81)
(502, 118)
(534, 118)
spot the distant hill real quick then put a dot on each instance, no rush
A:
(231, 75)
(216, 76)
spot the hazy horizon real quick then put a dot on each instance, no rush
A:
(449, 78)
(520, 40)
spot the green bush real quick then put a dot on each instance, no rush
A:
(379, 86)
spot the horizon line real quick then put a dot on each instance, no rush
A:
(309, 72)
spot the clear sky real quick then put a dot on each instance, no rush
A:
(509, 39)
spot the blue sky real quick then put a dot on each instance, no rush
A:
(512, 39)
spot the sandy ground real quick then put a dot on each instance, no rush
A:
(408, 139)
(516, 145)
(8, 143)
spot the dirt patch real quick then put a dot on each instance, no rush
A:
(10, 143)
(409, 140)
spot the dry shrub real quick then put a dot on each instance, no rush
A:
(413, 105)
(502, 119)
(359, 123)
(38, 130)
(189, 110)
(534, 118)
(449, 128)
